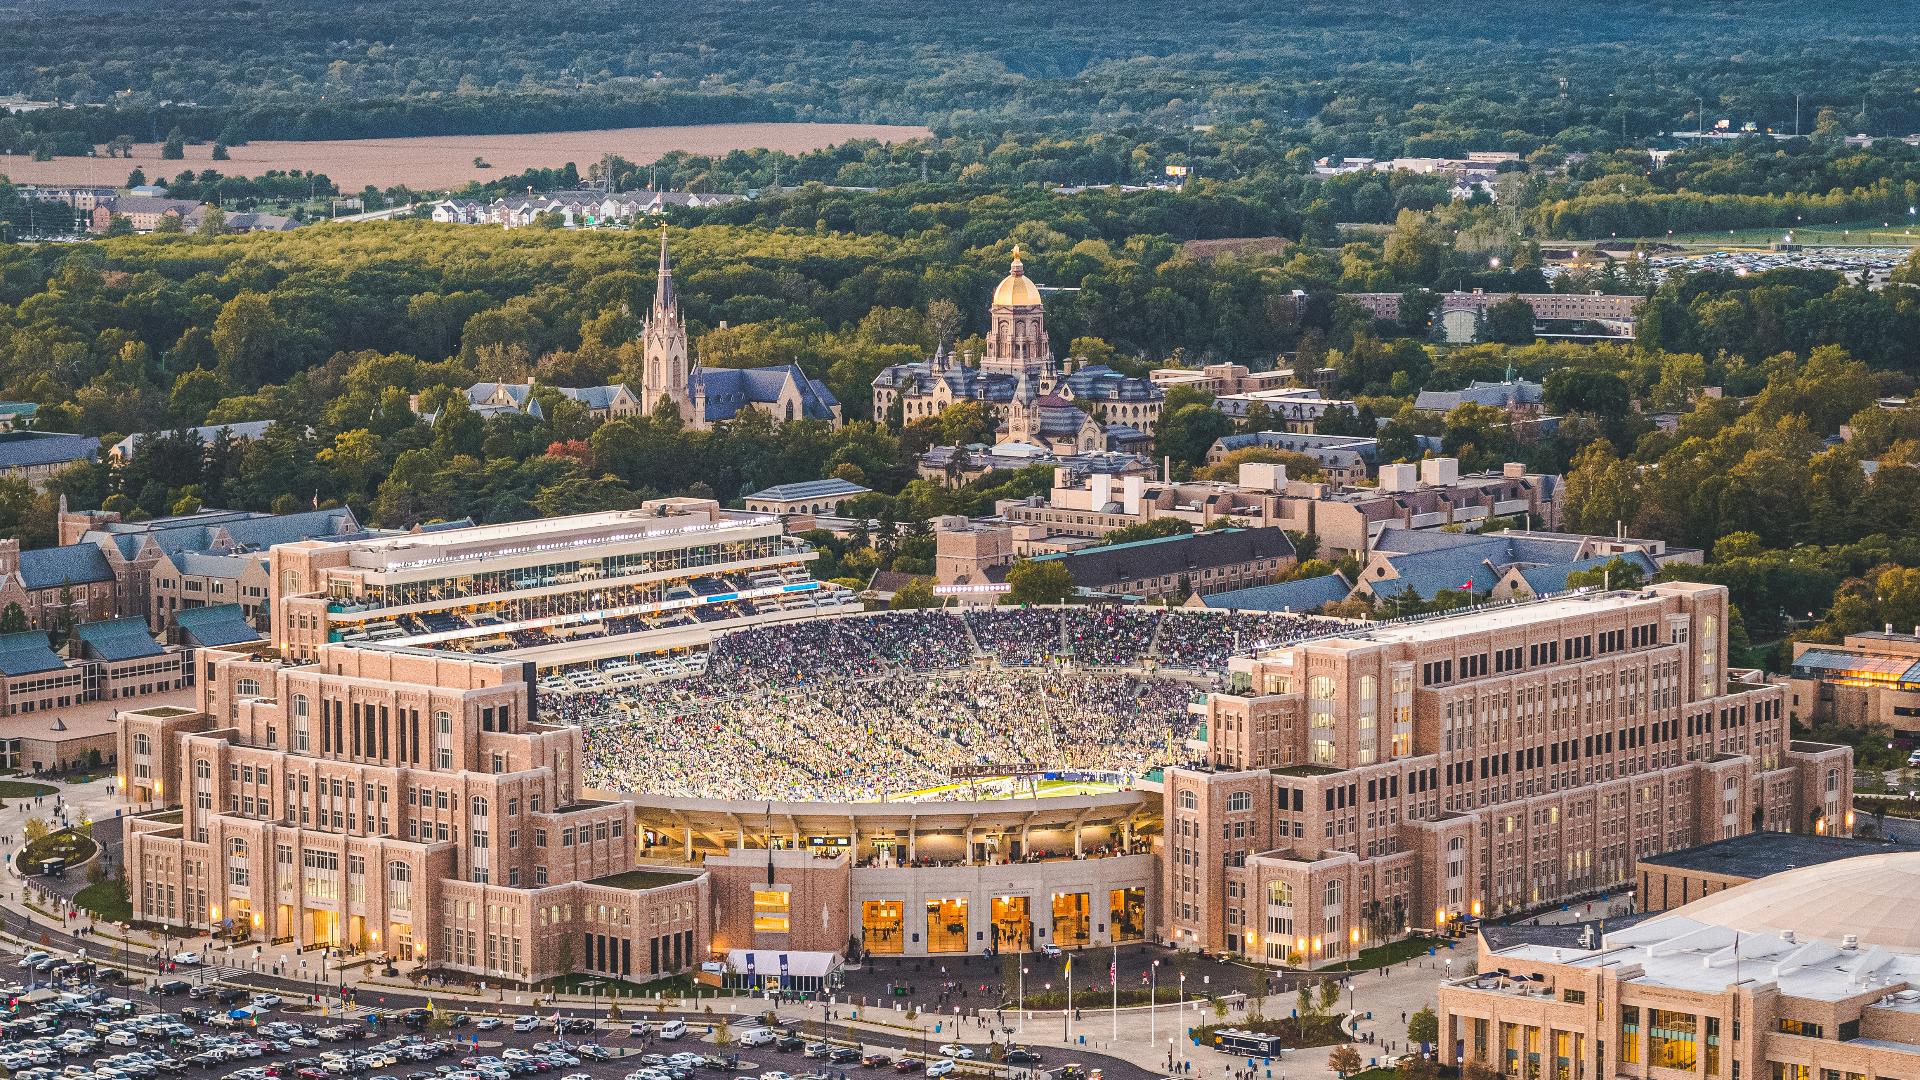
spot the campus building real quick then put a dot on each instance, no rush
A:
(558, 591)
(1030, 391)
(1417, 774)
(1813, 974)
(1867, 679)
(393, 801)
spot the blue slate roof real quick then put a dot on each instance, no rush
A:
(1552, 579)
(220, 624)
(27, 653)
(593, 397)
(117, 639)
(244, 431)
(1430, 573)
(206, 532)
(25, 449)
(73, 564)
(1305, 595)
(832, 487)
(728, 390)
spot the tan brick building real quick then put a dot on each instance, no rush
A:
(398, 802)
(1422, 773)
(1808, 975)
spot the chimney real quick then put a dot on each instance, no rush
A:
(1514, 470)
(1131, 488)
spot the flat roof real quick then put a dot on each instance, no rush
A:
(1755, 855)
(643, 879)
(1490, 617)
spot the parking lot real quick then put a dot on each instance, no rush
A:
(64, 1023)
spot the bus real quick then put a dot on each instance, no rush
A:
(1247, 1043)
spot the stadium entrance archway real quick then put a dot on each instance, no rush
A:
(883, 926)
(1012, 923)
(947, 926)
(1072, 919)
(1127, 914)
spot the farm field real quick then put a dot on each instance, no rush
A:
(431, 163)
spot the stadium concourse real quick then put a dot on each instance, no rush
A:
(899, 704)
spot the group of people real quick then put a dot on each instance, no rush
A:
(895, 704)
(904, 732)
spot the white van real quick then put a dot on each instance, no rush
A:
(673, 1029)
(758, 1036)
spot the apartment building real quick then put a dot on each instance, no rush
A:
(1423, 773)
(1813, 974)
(397, 801)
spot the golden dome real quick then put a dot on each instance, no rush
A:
(1016, 289)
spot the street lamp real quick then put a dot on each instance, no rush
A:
(1153, 1003)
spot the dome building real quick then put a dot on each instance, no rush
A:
(1062, 406)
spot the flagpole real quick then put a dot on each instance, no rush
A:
(1113, 976)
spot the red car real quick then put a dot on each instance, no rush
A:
(909, 1064)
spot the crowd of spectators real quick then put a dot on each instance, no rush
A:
(877, 706)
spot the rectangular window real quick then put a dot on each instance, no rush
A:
(771, 910)
(1670, 1039)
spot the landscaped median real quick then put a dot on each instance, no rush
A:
(75, 845)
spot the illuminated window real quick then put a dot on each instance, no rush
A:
(1670, 1039)
(772, 909)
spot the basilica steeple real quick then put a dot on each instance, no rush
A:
(665, 370)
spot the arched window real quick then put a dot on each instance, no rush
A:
(302, 709)
(1369, 687)
(1188, 800)
(202, 769)
(443, 740)
(1320, 686)
(142, 743)
(1333, 892)
(399, 886)
(479, 806)
(1280, 894)
(237, 867)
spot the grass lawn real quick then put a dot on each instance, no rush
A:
(65, 844)
(105, 899)
(20, 789)
(1876, 232)
(578, 983)
(1391, 953)
(1375, 1074)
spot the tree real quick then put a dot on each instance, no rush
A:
(219, 151)
(1151, 529)
(1039, 581)
(917, 593)
(1615, 573)
(13, 620)
(1509, 321)
(1344, 1060)
(175, 148)
(213, 221)
(35, 830)
(1424, 1027)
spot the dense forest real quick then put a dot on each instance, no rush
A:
(1397, 77)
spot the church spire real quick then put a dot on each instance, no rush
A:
(663, 290)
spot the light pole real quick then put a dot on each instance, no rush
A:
(1020, 1006)
(1153, 1003)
